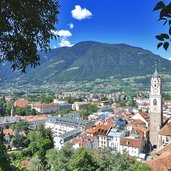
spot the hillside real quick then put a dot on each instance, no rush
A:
(89, 61)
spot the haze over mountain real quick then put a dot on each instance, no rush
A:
(88, 61)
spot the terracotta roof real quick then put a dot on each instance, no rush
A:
(100, 129)
(144, 115)
(138, 121)
(21, 103)
(44, 105)
(32, 118)
(166, 130)
(131, 142)
(7, 131)
(161, 163)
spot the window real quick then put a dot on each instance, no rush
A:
(155, 102)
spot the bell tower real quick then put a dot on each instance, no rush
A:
(156, 114)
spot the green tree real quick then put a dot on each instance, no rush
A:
(5, 163)
(64, 156)
(91, 108)
(52, 157)
(165, 16)
(25, 27)
(83, 160)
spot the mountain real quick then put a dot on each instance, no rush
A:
(88, 61)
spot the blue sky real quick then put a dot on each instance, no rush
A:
(131, 22)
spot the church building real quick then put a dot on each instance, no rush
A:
(156, 114)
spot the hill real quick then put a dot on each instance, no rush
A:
(89, 61)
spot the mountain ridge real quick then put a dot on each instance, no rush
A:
(89, 60)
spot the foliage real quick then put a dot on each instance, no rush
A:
(165, 16)
(83, 160)
(112, 58)
(40, 98)
(91, 108)
(62, 112)
(120, 104)
(22, 111)
(21, 126)
(5, 163)
(25, 27)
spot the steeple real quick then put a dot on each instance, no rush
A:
(155, 74)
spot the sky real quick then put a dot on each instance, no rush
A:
(130, 22)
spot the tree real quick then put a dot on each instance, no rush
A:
(91, 108)
(5, 164)
(83, 160)
(165, 16)
(25, 27)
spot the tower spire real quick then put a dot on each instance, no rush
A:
(156, 74)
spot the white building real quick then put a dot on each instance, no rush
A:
(131, 146)
(45, 108)
(114, 138)
(59, 141)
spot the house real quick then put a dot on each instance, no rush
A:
(79, 105)
(60, 140)
(132, 146)
(101, 132)
(164, 136)
(143, 117)
(114, 138)
(85, 141)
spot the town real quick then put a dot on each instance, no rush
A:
(141, 128)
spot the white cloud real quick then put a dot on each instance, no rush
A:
(61, 33)
(54, 47)
(71, 25)
(169, 59)
(80, 13)
(64, 33)
(64, 42)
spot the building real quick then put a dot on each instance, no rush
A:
(164, 136)
(156, 115)
(7, 121)
(60, 140)
(79, 105)
(34, 121)
(63, 124)
(45, 108)
(114, 138)
(85, 141)
(132, 146)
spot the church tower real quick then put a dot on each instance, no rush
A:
(156, 114)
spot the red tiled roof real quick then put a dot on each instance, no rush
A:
(100, 129)
(138, 121)
(131, 142)
(161, 163)
(32, 118)
(21, 103)
(44, 105)
(166, 130)
(144, 115)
